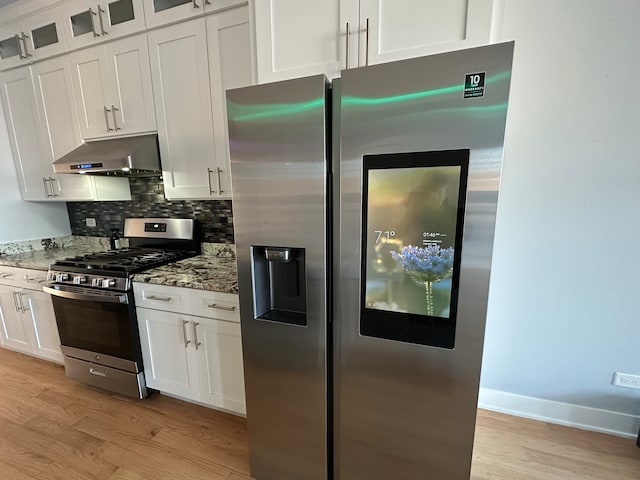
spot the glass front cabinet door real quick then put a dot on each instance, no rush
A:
(33, 38)
(88, 22)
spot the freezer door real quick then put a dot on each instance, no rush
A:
(421, 155)
(279, 166)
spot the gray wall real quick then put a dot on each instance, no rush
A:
(564, 310)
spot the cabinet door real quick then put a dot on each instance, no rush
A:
(129, 79)
(11, 47)
(296, 38)
(230, 66)
(88, 71)
(43, 34)
(399, 29)
(59, 126)
(23, 125)
(39, 313)
(219, 349)
(89, 22)
(163, 12)
(14, 333)
(170, 363)
(182, 96)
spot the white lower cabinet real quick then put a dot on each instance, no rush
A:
(27, 316)
(170, 363)
(188, 355)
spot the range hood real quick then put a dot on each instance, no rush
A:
(136, 156)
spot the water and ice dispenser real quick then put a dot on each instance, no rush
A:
(279, 284)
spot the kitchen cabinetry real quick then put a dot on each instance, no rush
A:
(88, 22)
(26, 312)
(42, 126)
(388, 30)
(296, 38)
(190, 352)
(112, 87)
(192, 64)
(164, 12)
(32, 38)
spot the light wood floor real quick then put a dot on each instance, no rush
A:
(53, 428)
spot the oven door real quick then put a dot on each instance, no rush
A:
(97, 321)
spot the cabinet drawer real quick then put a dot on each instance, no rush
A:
(23, 277)
(223, 306)
(162, 297)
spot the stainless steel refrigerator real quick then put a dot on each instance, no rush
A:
(364, 215)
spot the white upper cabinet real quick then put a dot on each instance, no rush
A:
(296, 38)
(180, 72)
(34, 171)
(31, 38)
(192, 63)
(43, 126)
(230, 66)
(112, 88)
(389, 30)
(59, 125)
(164, 12)
(87, 22)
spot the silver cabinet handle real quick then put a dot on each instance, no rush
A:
(106, 119)
(184, 333)
(346, 59)
(161, 299)
(195, 334)
(6, 275)
(219, 171)
(232, 308)
(20, 54)
(15, 302)
(93, 25)
(100, 12)
(53, 192)
(367, 44)
(21, 304)
(209, 172)
(98, 373)
(48, 190)
(207, 2)
(115, 121)
(24, 44)
(195, 4)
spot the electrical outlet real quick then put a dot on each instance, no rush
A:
(91, 222)
(626, 380)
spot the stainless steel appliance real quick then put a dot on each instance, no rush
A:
(364, 280)
(94, 304)
(137, 155)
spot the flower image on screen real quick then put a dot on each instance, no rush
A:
(412, 215)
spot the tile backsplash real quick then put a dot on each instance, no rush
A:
(214, 217)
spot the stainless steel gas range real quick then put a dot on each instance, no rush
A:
(94, 304)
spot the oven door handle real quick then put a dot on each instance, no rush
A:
(102, 298)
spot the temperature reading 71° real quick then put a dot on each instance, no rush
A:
(387, 234)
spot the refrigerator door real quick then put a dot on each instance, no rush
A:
(279, 165)
(407, 368)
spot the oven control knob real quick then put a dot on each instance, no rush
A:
(78, 280)
(62, 277)
(108, 282)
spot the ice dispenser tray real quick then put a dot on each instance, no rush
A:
(279, 284)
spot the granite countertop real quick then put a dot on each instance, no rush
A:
(204, 272)
(41, 259)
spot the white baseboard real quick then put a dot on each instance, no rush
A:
(586, 418)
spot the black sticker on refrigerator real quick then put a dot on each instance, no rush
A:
(474, 85)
